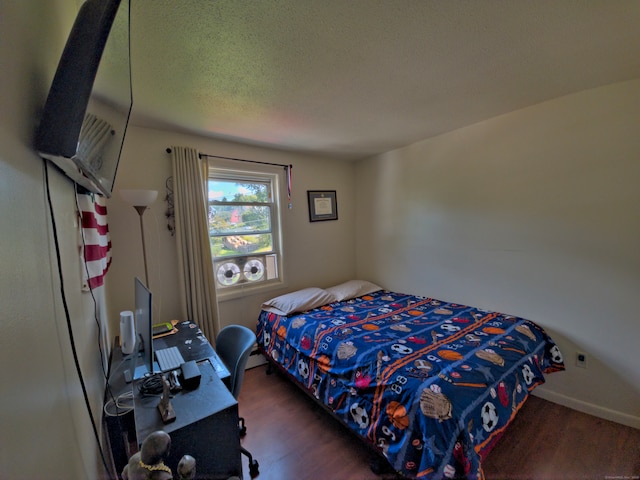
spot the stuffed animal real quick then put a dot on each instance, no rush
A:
(148, 463)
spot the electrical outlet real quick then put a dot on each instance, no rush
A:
(581, 359)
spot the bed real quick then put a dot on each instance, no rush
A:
(430, 385)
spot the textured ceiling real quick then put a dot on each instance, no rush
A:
(351, 78)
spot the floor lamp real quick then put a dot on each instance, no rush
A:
(140, 200)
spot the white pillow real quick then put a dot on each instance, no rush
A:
(298, 301)
(352, 289)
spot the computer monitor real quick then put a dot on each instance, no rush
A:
(144, 330)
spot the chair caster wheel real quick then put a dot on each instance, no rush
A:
(254, 469)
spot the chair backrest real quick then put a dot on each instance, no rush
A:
(233, 345)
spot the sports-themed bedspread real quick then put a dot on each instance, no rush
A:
(432, 385)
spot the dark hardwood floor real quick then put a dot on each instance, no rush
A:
(292, 438)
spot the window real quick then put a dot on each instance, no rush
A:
(244, 228)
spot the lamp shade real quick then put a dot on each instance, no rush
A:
(139, 198)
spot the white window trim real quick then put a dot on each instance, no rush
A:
(246, 289)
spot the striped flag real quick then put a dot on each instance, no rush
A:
(95, 240)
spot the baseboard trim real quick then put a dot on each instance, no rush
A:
(588, 408)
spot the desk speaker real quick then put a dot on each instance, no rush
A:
(127, 332)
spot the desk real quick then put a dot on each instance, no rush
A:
(206, 425)
(193, 345)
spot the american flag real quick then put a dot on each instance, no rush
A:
(96, 244)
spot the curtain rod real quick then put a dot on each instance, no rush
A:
(289, 167)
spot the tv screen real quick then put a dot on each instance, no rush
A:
(85, 117)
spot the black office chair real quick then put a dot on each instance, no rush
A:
(233, 345)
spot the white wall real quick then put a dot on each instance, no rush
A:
(45, 430)
(533, 213)
(315, 254)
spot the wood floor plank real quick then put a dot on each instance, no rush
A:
(293, 438)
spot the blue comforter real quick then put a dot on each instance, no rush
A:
(430, 384)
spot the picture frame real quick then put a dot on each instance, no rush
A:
(323, 205)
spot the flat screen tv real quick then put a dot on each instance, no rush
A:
(85, 117)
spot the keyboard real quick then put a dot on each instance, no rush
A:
(169, 358)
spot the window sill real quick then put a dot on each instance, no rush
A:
(247, 291)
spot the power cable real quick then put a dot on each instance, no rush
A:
(68, 316)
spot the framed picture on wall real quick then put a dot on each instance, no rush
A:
(322, 205)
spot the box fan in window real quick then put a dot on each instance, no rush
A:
(242, 270)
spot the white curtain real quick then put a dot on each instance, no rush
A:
(197, 286)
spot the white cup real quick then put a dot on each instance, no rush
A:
(127, 332)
